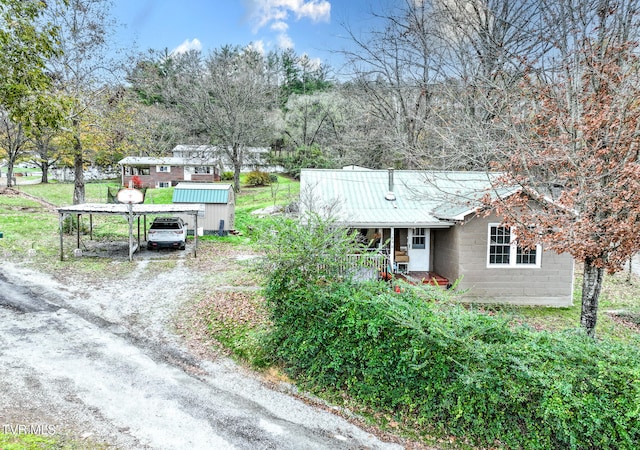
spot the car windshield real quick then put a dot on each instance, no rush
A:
(165, 226)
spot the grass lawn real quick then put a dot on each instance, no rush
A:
(38, 230)
(26, 225)
(61, 194)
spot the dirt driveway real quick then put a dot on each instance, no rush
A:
(96, 357)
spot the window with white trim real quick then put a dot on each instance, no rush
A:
(164, 169)
(503, 249)
(419, 239)
(202, 169)
(163, 184)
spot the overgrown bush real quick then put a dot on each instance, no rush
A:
(258, 178)
(226, 176)
(417, 355)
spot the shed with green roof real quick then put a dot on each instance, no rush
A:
(219, 205)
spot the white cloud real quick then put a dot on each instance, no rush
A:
(187, 46)
(280, 26)
(315, 10)
(284, 41)
(264, 12)
(276, 14)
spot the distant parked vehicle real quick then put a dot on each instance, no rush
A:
(167, 232)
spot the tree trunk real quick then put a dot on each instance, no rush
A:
(10, 175)
(236, 179)
(78, 162)
(591, 287)
(236, 160)
(45, 172)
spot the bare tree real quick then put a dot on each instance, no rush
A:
(13, 143)
(228, 99)
(575, 142)
(44, 152)
(396, 69)
(437, 74)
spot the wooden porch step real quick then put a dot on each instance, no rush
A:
(427, 278)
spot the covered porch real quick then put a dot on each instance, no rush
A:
(407, 251)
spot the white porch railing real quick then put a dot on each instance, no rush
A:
(366, 266)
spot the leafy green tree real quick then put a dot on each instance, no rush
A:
(81, 71)
(26, 44)
(301, 75)
(306, 251)
(304, 157)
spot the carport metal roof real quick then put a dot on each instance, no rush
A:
(131, 211)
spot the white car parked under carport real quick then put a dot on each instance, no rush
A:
(167, 232)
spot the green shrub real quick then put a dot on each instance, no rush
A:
(226, 176)
(467, 374)
(258, 178)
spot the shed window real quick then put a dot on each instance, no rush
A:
(503, 250)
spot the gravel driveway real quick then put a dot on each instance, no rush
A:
(97, 360)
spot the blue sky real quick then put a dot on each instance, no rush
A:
(312, 27)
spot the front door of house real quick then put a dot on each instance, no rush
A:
(418, 246)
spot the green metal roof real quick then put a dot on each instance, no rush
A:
(422, 198)
(202, 193)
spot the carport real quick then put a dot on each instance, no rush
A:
(131, 212)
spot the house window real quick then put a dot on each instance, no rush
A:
(419, 240)
(164, 169)
(163, 184)
(202, 169)
(503, 250)
(136, 170)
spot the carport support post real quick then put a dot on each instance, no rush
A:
(78, 230)
(61, 218)
(130, 208)
(195, 238)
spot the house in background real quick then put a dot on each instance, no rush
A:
(427, 223)
(254, 158)
(159, 172)
(219, 206)
(198, 163)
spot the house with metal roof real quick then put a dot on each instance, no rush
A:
(431, 227)
(219, 206)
